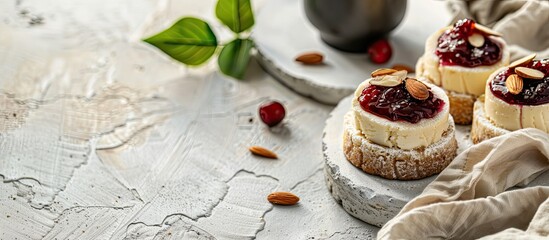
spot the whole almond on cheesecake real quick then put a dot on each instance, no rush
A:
(310, 58)
(514, 84)
(283, 198)
(417, 89)
(263, 152)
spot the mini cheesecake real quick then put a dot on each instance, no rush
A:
(460, 58)
(399, 127)
(515, 97)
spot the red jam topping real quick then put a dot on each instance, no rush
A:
(396, 104)
(454, 49)
(534, 92)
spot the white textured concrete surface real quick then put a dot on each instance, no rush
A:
(104, 137)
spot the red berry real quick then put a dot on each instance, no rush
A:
(380, 51)
(272, 113)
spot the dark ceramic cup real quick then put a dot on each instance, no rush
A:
(351, 25)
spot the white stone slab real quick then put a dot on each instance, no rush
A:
(282, 32)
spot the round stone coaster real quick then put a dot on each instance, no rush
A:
(282, 32)
(370, 198)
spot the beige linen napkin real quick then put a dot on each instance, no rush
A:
(523, 23)
(468, 199)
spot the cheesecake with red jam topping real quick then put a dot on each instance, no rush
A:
(460, 58)
(515, 97)
(399, 127)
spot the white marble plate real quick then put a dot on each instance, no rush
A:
(282, 32)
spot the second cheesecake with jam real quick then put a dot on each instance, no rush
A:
(515, 97)
(399, 127)
(460, 58)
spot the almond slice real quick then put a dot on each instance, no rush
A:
(310, 58)
(391, 80)
(476, 39)
(263, 152)
(417, 89)
(529, 73)
(400, 74)
(486, 30)
(522, 61)
(283, 198)
(404, 67)
(383, 71)
(386, 81)
(514, 84)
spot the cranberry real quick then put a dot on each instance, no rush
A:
(454, 49)
(396, 104)
(380, 51)
(534, 92)
(272, 113)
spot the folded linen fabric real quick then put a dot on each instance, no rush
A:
(469, 200)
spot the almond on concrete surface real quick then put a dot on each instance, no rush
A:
(310, 58)
(523, 61)
(263, 152)
(529, 73)
(514, 84)
(283, 198)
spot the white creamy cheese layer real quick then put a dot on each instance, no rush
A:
(401, 134)
(457, 78)
(513, 117)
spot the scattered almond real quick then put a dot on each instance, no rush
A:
(283, 198)
(417, 89)
(263, 152)
(486, 30)
(476, 39)
(310, 58)
(514, 84)
(529, 73)
(383, 71)
(523, 61)
(404, 67)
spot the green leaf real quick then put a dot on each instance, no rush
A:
(233, 59)
(236, 14)
(190, 41)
